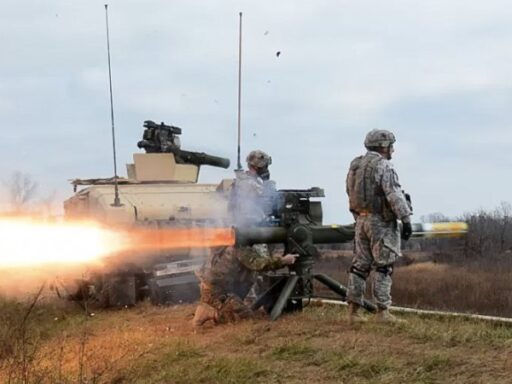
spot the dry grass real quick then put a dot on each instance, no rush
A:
(147, 344)
(158, 345)
(456, 288)
(424, 281)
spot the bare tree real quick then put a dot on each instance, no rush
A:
(503, 214)
(47, 202)
(436, 217)
(21, 189)
(490, 233)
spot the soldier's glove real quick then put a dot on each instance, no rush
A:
(406, 230)
(289, 259)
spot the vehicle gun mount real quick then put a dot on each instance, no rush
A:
(162, 138)
(159, 138)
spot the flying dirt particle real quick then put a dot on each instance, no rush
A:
(278, 53)
(266, 33)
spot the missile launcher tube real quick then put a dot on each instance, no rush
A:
(331, 234)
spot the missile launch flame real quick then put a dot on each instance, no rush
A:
(174, 238)
(26, 241)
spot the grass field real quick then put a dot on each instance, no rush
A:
(53, 341)
(150, 344)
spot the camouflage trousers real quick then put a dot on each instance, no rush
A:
(230, 307)
(377, 246)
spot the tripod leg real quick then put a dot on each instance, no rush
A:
(338, 288)
(268, 297)
(332, 284)
(284, 296)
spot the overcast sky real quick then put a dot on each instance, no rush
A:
(438, 74)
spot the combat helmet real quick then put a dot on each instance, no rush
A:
(258, 159)
(379, 138)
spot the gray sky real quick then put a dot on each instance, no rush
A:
(436, 73)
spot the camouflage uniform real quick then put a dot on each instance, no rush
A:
(250, 199)
(228, 277)
(377, 235)
(230, 272)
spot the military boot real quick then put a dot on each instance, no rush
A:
(353, 315)
(204, 313)
(384, 316)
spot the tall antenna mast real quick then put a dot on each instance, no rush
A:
(239, 164)
(117, 201)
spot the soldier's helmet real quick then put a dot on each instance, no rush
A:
(258, 159)
(379, 138)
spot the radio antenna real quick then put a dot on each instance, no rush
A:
(239, 164)
(117, 201)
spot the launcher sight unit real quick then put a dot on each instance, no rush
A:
(294, 206)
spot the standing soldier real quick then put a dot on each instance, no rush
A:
(230, 272)
(376, 201)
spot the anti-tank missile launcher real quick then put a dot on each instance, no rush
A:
(298, 225)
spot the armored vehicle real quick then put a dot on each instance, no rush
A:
(161, 190)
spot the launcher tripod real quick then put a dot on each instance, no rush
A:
(288, 290)
(296, 223)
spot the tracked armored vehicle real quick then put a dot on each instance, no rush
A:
(161, 190)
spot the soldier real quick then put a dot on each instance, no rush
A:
(252, 193)
(230, 272)
(226, 281)
(376, 201)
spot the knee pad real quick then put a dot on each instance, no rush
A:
(386, 270)
(359, 272)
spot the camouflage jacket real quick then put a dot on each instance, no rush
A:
(250, 199)
(373, 186)
(232, 269)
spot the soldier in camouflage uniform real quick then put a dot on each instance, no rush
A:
(230, 272)
(253, 191)
(229, 276)
(377, 202)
